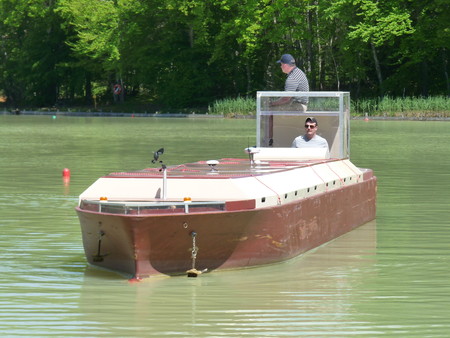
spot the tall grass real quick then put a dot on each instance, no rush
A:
(234, 107)
(437, 106)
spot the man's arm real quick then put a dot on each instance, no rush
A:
(280, 101)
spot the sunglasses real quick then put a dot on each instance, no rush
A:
(310, 126)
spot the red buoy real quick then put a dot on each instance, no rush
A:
(66, 172)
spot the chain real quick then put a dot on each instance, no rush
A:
(194, 249)
(194, 272)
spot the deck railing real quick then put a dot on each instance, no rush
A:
(146, 208)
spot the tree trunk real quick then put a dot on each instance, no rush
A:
(311, 55)
(424, 78)
(191, 37)
(336, 68)
(249, 77)
(377, 68)
(122, 92)
(88, 89)
(445, 69)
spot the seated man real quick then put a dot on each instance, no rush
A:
(310, 139)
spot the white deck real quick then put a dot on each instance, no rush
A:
(268, 182)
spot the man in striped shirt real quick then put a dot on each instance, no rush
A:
(296, 81)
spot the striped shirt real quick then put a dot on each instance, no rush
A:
(296, 81)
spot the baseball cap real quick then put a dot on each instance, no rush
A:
(287, 59)
(312, 120)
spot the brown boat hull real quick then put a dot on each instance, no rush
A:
(142, 246)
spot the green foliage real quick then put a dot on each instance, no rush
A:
(380, 22)
(189, 53)
(30, 50)
(96, 24)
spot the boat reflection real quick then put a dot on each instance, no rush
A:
(319, 286)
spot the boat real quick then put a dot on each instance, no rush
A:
(273, 204)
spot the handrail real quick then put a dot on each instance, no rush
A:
(150, 207)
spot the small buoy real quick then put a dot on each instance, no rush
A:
(66, 172)
(54, 117)
(66, 177)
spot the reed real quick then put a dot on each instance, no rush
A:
(417, 107)
(233, 107)
(435, 106)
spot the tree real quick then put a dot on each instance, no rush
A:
(95, 38)
(377, 24)
(31, 51)
(185, 53)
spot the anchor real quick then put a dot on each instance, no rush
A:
(194, 272)
(98, 257)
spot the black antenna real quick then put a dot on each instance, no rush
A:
(163, 168)
(156, 156)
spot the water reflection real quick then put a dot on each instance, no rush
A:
(290, 298)
(383, 279)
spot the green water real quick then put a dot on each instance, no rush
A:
(387, 278)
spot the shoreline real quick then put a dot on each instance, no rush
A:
(182, 115)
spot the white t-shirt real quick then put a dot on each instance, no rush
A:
(316, 142)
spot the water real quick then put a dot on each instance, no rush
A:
(387, 278)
